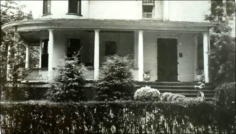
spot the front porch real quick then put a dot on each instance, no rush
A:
(140, 39)
(143, 47)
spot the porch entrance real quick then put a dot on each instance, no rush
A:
(167, 59)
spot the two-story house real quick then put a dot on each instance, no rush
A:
(171, 38)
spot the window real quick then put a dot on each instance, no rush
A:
(148, 8)
(44, 56)
(73, 47)
(110, 48)
(46, 7)
(74, 7)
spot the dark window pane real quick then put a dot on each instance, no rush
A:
(46, 7)
(110, 48)
(73, 6)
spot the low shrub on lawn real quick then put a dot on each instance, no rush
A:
(114, 117)
(147, 94)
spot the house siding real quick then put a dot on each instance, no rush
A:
(111, 10)
(185, 46)
(193, 11)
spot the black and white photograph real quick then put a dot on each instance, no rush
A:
(117, 67)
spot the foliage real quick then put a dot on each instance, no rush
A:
(12, 65)
(223, 45)
(147, 94)
(173, 97)
(12, 44)
(116, 79)
(115, 117)
(170, 97)
(225, 95)
(12, 11)
(69, 84)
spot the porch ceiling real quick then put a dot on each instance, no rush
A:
(103, 24)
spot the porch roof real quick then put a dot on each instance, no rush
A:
(107, 24)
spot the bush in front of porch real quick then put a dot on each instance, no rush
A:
(116, 81)
(69, 84)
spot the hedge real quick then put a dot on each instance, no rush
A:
(115, 117)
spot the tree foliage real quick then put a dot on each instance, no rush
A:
(222, 44)
(12, 65)
(116, 81)
(12, 52)
(69, 84)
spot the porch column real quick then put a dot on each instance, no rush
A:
(50, 53)
(40, 54)
(96, 54)
(195, 56)
(206, 44)
(140, 55)
(26, 56)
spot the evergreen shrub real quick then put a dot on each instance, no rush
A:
(116, 79)
(69, 84)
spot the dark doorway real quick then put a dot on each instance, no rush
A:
(167, 60)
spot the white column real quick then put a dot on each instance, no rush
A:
(8, 65)
(96, 54)
(206, 43)
(40, 54)
(166, 10)
(26, 56)
(195, 56)
(50, 53)
(140, 55)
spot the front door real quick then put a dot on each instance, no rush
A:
(167, 59)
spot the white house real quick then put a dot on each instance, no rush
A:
(171, 38)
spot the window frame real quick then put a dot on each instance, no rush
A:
(78, 8)
(47, 6)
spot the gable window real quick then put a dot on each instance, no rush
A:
(74, 7)
(110, 48)
(44, 56)
(46, 7)
(148, 8)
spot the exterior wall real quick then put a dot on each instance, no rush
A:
(193, 11)
(111, 10)
(185, 46)
(159, 9)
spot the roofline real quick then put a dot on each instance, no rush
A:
(141, 24)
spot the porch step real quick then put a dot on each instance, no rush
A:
(187, 89)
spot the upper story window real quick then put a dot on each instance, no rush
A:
(148, 8)
(74, 7)
(110, 48)
(46, 7)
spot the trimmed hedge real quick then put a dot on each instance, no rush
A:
(115, 117)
